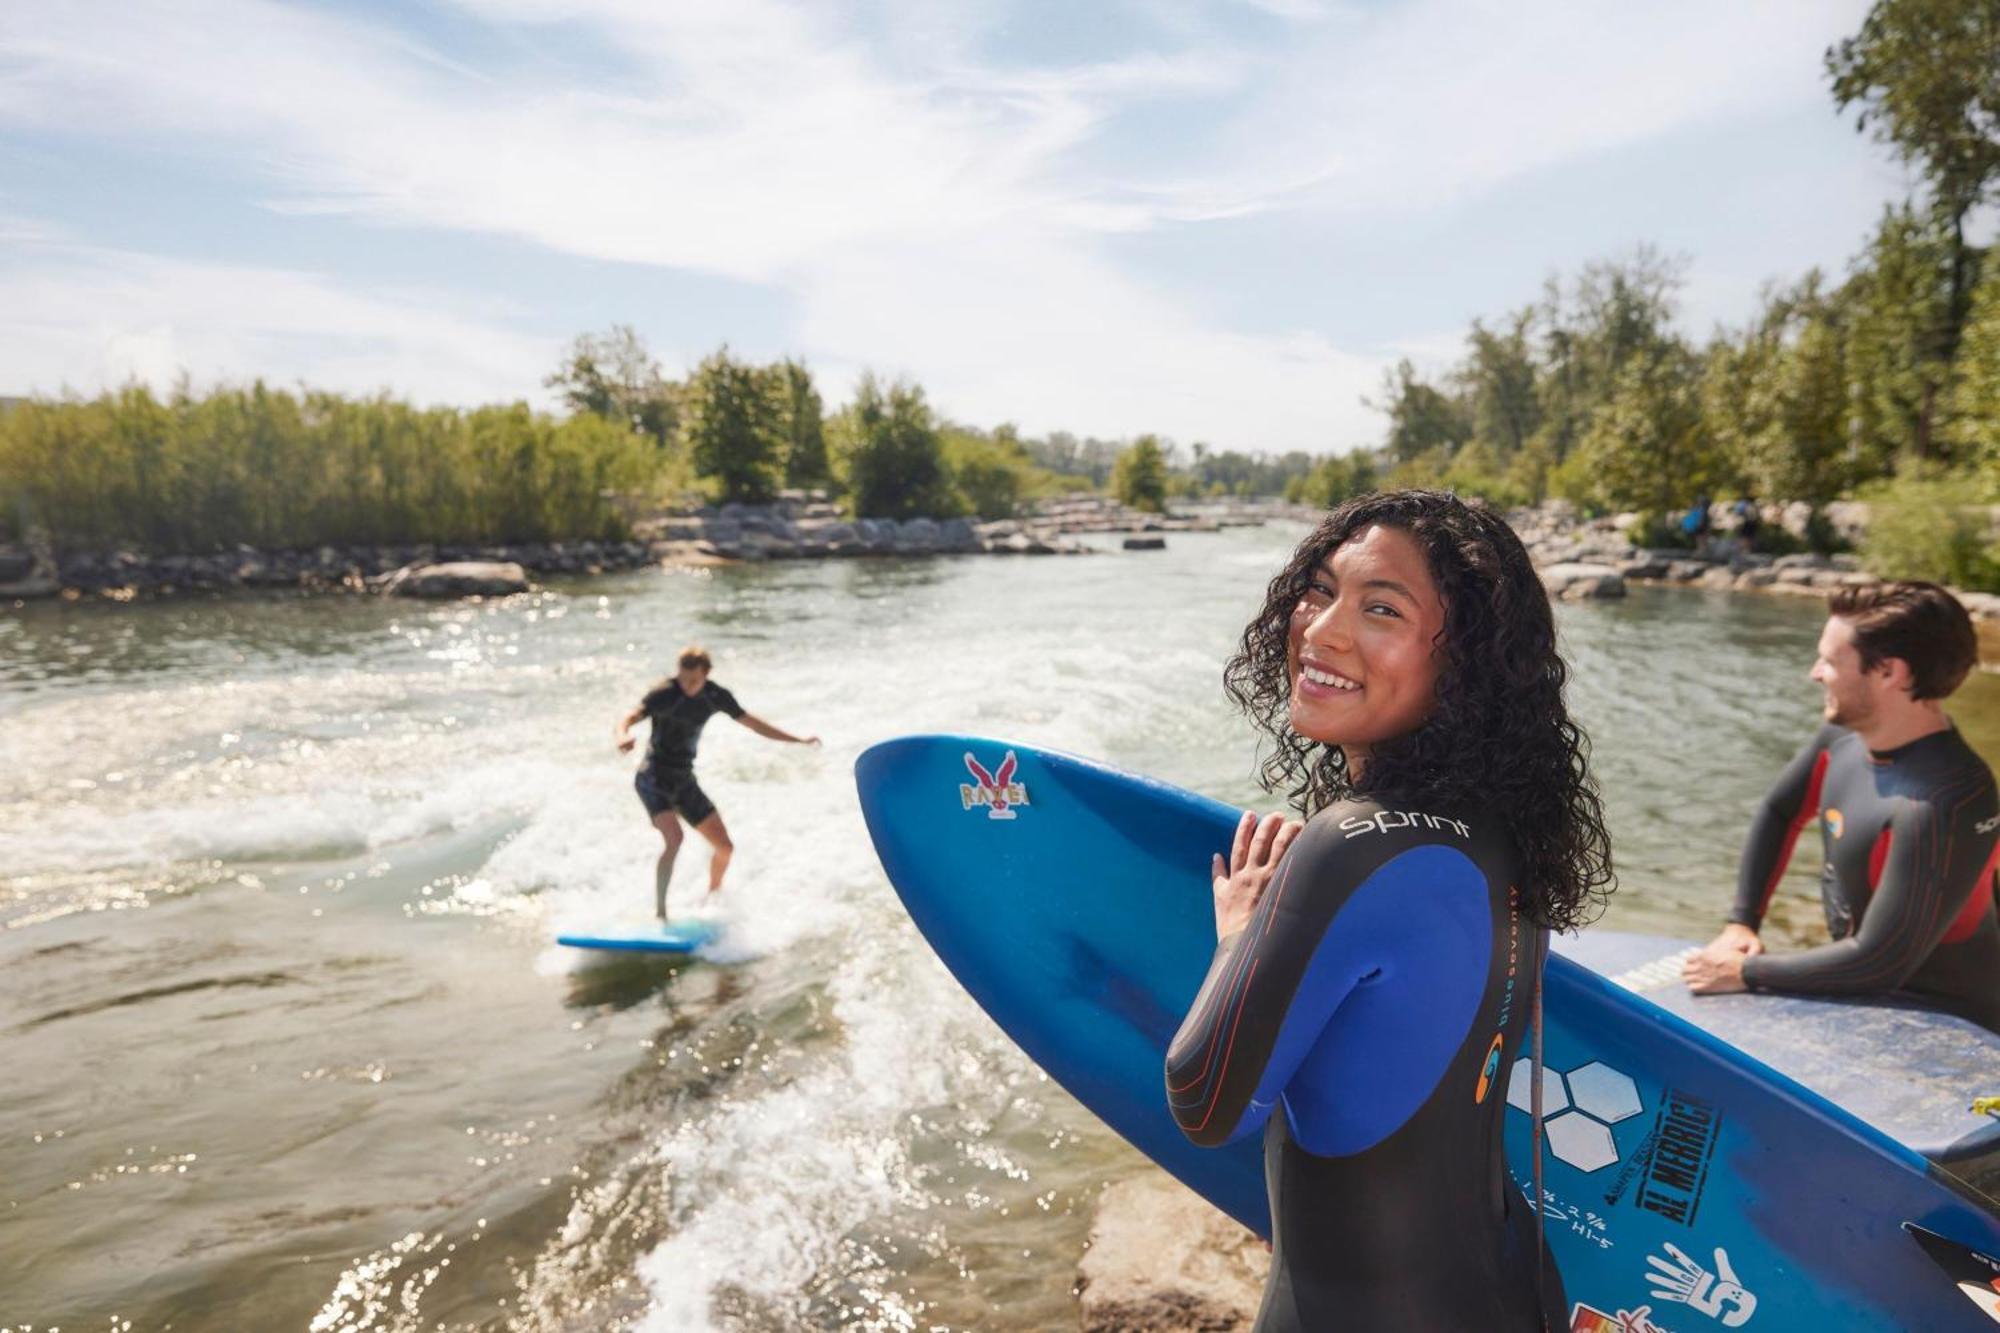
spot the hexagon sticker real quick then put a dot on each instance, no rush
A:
(1521, 1089)
(1582, 1142)
(1603, 1092)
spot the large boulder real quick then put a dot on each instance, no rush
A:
(461, 578)
(1163, 1260)
(957, 534)
(1576, 581)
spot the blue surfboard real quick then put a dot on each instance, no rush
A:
(655, 937)
(1686, 1185)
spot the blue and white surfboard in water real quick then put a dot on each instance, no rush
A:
(650, 937)
(1687, 1187)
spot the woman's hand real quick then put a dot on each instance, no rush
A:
(1240, 882)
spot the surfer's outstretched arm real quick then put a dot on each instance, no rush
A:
(1272, 986)
(1936, 885)
(1787, 808)
(769, 732)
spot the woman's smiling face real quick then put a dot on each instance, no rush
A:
(1362, 650)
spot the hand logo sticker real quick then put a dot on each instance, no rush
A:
(1679, 1278)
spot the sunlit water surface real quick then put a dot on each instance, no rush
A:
(287, 1044)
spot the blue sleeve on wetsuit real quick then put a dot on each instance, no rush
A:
(1341, 907)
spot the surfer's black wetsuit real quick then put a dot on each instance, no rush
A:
(666, 780)
(1379, 996)
(1910, 837)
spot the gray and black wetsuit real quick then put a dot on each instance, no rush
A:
(1910, 838)
(666, 780)
(1365, 1021)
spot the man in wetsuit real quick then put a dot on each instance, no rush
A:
(1365, 1021)
(679, 708)
(1909, 820)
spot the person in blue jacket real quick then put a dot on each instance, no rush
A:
(1376, 966)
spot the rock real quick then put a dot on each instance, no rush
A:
(1576, 581)
(1802, 560)
(1145, 543)
(1686, 571)
(1717, 576)
(957, 534)
(1163, 1260)
(467, 578)
(1756, 578)
(1645, 567)
(1981, 605)
(917, 536)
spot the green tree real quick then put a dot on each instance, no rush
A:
(733, 428)
(1647, 447)
(613, 376)
(801, 423)
(1926, 77)
(1973, 408)
(1775, 398)
(992, 475)
(1499, 382)
(1139, 478)
(1901, 336)
(1421, 417)
(892, 455)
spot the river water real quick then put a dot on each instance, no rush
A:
(287, 1046)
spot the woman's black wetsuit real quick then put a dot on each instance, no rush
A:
(1379, 996)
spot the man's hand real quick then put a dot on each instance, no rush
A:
(1253, 857)
(1734, 939)
(1717, 973)
(625, 744)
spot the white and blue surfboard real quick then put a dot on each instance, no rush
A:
(1687, 1186)
(651, 937)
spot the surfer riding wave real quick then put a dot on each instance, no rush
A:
(1376, 966)
(679, 707)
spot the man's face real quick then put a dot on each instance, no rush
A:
(1853, 693)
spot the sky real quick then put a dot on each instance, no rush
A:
(1219, 221)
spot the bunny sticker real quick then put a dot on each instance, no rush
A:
(997, 790)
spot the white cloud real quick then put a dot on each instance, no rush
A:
(85, 318)
(926, 210)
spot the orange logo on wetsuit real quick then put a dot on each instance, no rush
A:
(1491, 1065)
(1836, 823)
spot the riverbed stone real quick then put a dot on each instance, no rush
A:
(464, 578)
(957, 534)
(1575, 581)
(1163, 1260)
(1145, 543)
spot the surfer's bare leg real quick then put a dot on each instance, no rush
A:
(669, 825)
(718, 838)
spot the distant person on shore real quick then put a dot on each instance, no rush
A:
(679, 707)
(1695, 523)
(1748, 521)
(1376, 968)
(1909, 819)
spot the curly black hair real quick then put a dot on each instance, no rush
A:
(1499, 734)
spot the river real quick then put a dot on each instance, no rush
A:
(288, 1046)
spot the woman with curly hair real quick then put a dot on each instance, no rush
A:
(1377, 965)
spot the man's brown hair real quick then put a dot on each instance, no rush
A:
(1919, 622)
(694, 655)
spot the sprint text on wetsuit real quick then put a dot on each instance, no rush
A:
(1384, 820)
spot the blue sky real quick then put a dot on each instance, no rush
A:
(1218, 221)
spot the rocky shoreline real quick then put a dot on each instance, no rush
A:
(730, 534)
(1577, 558)
(1585, 559)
